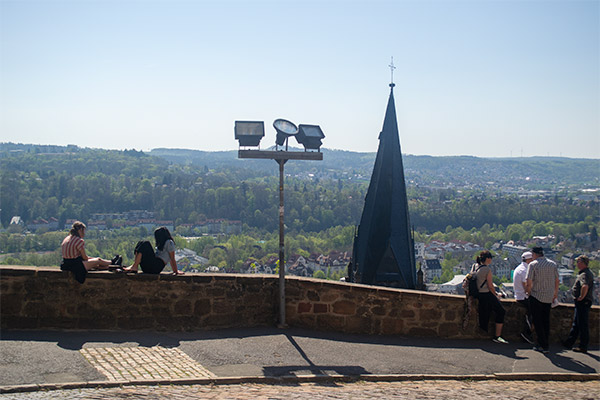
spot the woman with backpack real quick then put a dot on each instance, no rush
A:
(488, 298)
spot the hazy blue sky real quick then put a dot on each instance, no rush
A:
(476, 77)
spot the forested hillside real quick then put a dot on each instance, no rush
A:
(188, 186)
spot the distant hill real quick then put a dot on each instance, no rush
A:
(188, 186)
(503, 174)
(529, 173)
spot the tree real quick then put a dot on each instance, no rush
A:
(319, 274)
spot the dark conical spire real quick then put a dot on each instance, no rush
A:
(383, 247)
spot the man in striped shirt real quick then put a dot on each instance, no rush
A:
(542, 288)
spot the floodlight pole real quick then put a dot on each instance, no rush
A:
(281, 157)
(281, 249)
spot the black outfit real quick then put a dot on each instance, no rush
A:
(149, 263)
(581, 318)
(75, 265)
(488, 302)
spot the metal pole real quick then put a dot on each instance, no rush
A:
(281, 250)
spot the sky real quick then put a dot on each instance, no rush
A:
(481, 78)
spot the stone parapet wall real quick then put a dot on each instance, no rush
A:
(47, 298)
(355, 308)
(40, 298)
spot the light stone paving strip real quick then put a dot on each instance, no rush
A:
(423, 390)
(134, 363)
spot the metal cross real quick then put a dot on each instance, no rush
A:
(392, 68)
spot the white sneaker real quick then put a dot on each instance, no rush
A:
(500, 339)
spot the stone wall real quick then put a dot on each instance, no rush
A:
(356, 308)
(46, 298)
(40, 298)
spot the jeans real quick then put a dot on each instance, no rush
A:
(581, 325)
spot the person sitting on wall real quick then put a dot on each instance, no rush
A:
(74, 257)
(151, 261)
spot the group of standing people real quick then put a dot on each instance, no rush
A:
(150, 260)
(536, 285)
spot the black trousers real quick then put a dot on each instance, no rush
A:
(541, 321)
(149, 263)
(488, 303)
(527, 322)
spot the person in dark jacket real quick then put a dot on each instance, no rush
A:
(583, 290)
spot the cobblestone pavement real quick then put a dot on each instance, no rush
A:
(448, 390)
(135, 363)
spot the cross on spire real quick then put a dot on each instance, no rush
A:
(392, 68)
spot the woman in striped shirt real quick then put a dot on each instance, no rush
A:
(74, 257)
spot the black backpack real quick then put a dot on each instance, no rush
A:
(470, 283)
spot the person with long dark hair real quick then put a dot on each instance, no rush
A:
(153, 261)
(488, 298)
(75, 258)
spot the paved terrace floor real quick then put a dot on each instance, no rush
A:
(282, 363)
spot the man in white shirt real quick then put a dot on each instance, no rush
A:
(519, 282)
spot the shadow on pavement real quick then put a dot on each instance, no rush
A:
(76, 340)
(311, 368)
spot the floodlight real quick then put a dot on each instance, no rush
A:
(249, 133)
(284, 129)
(310, 136)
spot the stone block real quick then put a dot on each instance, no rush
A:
(202, 307)
(331, 322)
(20, 272)
(304, 307)
(362, 311)
(215, 292)
(308, 321)
(378, 310)
(11, 304)
(430, 314)
(358, 324)
(392, 326)
(320, 308)
(203, 279)
(407, 314)
(330, 297)
(313, 295)
(450, 315)
(182, 307)
(344, 307)
(221, 306)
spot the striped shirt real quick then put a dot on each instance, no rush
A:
(72, 246)
(543, 274)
